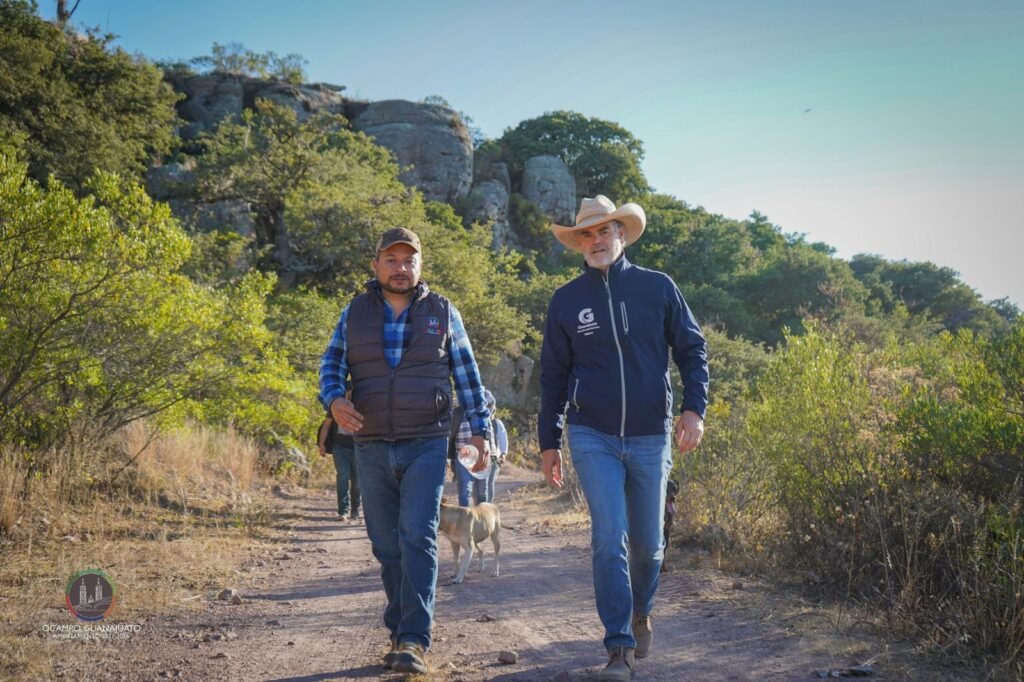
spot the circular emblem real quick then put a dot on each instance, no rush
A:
(586, 316)
(90, 594)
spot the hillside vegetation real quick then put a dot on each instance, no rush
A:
(866, 433)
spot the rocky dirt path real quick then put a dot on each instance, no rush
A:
(314, 613)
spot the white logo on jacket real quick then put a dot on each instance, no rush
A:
(587, 325)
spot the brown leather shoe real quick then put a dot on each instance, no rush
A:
(411, 658)
(620, 666)
(642, 632)
(389, 657)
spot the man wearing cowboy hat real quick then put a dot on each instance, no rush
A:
(604, 370)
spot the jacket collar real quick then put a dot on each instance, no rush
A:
(620, 265)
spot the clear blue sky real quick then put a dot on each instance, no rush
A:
(893, 127)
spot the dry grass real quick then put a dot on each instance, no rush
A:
(221, 460)
(169, 534)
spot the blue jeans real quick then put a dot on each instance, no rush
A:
(624, 483)
(482, 489)
(347, 479)
(402, 483)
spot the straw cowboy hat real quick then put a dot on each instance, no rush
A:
(598, 211)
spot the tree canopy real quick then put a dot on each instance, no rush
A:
(100, 328)
(74, 104)
(603, 156)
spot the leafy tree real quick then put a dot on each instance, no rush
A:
(1006, 309)
(460, 264)
(603, 156)
(301, 318)
(812, 412)
(317, 190)
(236, 59)
(693, 246)
(220, 259)
(795, 282)
(322, 194)
(100, 328)
(75, 103)
(734, 363)
(927, 289)
(962, 419)
(764, 236)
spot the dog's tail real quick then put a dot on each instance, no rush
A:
(508, 527)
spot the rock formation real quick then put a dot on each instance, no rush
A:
(430, 143)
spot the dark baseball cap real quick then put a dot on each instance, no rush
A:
(397, 235)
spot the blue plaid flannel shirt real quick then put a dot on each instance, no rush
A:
(334, 363)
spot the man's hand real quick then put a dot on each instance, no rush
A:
(551, 463)
(689, 431)
(345, 415)
(482, 453)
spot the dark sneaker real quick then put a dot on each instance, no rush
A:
(620, 666)
(411, 658)
(389, 657)
(355, 518)
(643, 635)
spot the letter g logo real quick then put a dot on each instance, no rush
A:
(586, 316)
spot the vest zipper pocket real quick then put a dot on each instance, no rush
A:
(625, 317)
(440, 405)
(575, 390)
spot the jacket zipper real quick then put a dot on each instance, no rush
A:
(618, 348)
(391, 406)
(625, 317)
(576, 390)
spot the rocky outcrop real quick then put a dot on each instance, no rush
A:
(210, 98)
(430, 143)
(173, 184)
(513, 382)
(548, 183)
(488, 204)
(488, 201)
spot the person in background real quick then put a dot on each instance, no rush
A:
(466, 484)
(342, 448)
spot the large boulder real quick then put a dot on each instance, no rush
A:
(488, 204)
(513, 382)
(429, 142)
(210, 98)
(305, 100)
(548, 183)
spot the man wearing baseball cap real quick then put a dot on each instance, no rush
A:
(398, 346)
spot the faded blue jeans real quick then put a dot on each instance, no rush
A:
(346, 479)
(482, 489)
(624, 481)
(401, 485)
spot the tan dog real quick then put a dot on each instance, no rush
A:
(466, 528)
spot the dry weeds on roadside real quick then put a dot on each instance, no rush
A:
(167, 530)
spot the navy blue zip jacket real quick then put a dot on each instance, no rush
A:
(604, 362)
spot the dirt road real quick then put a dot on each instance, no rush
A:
(313, 612)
